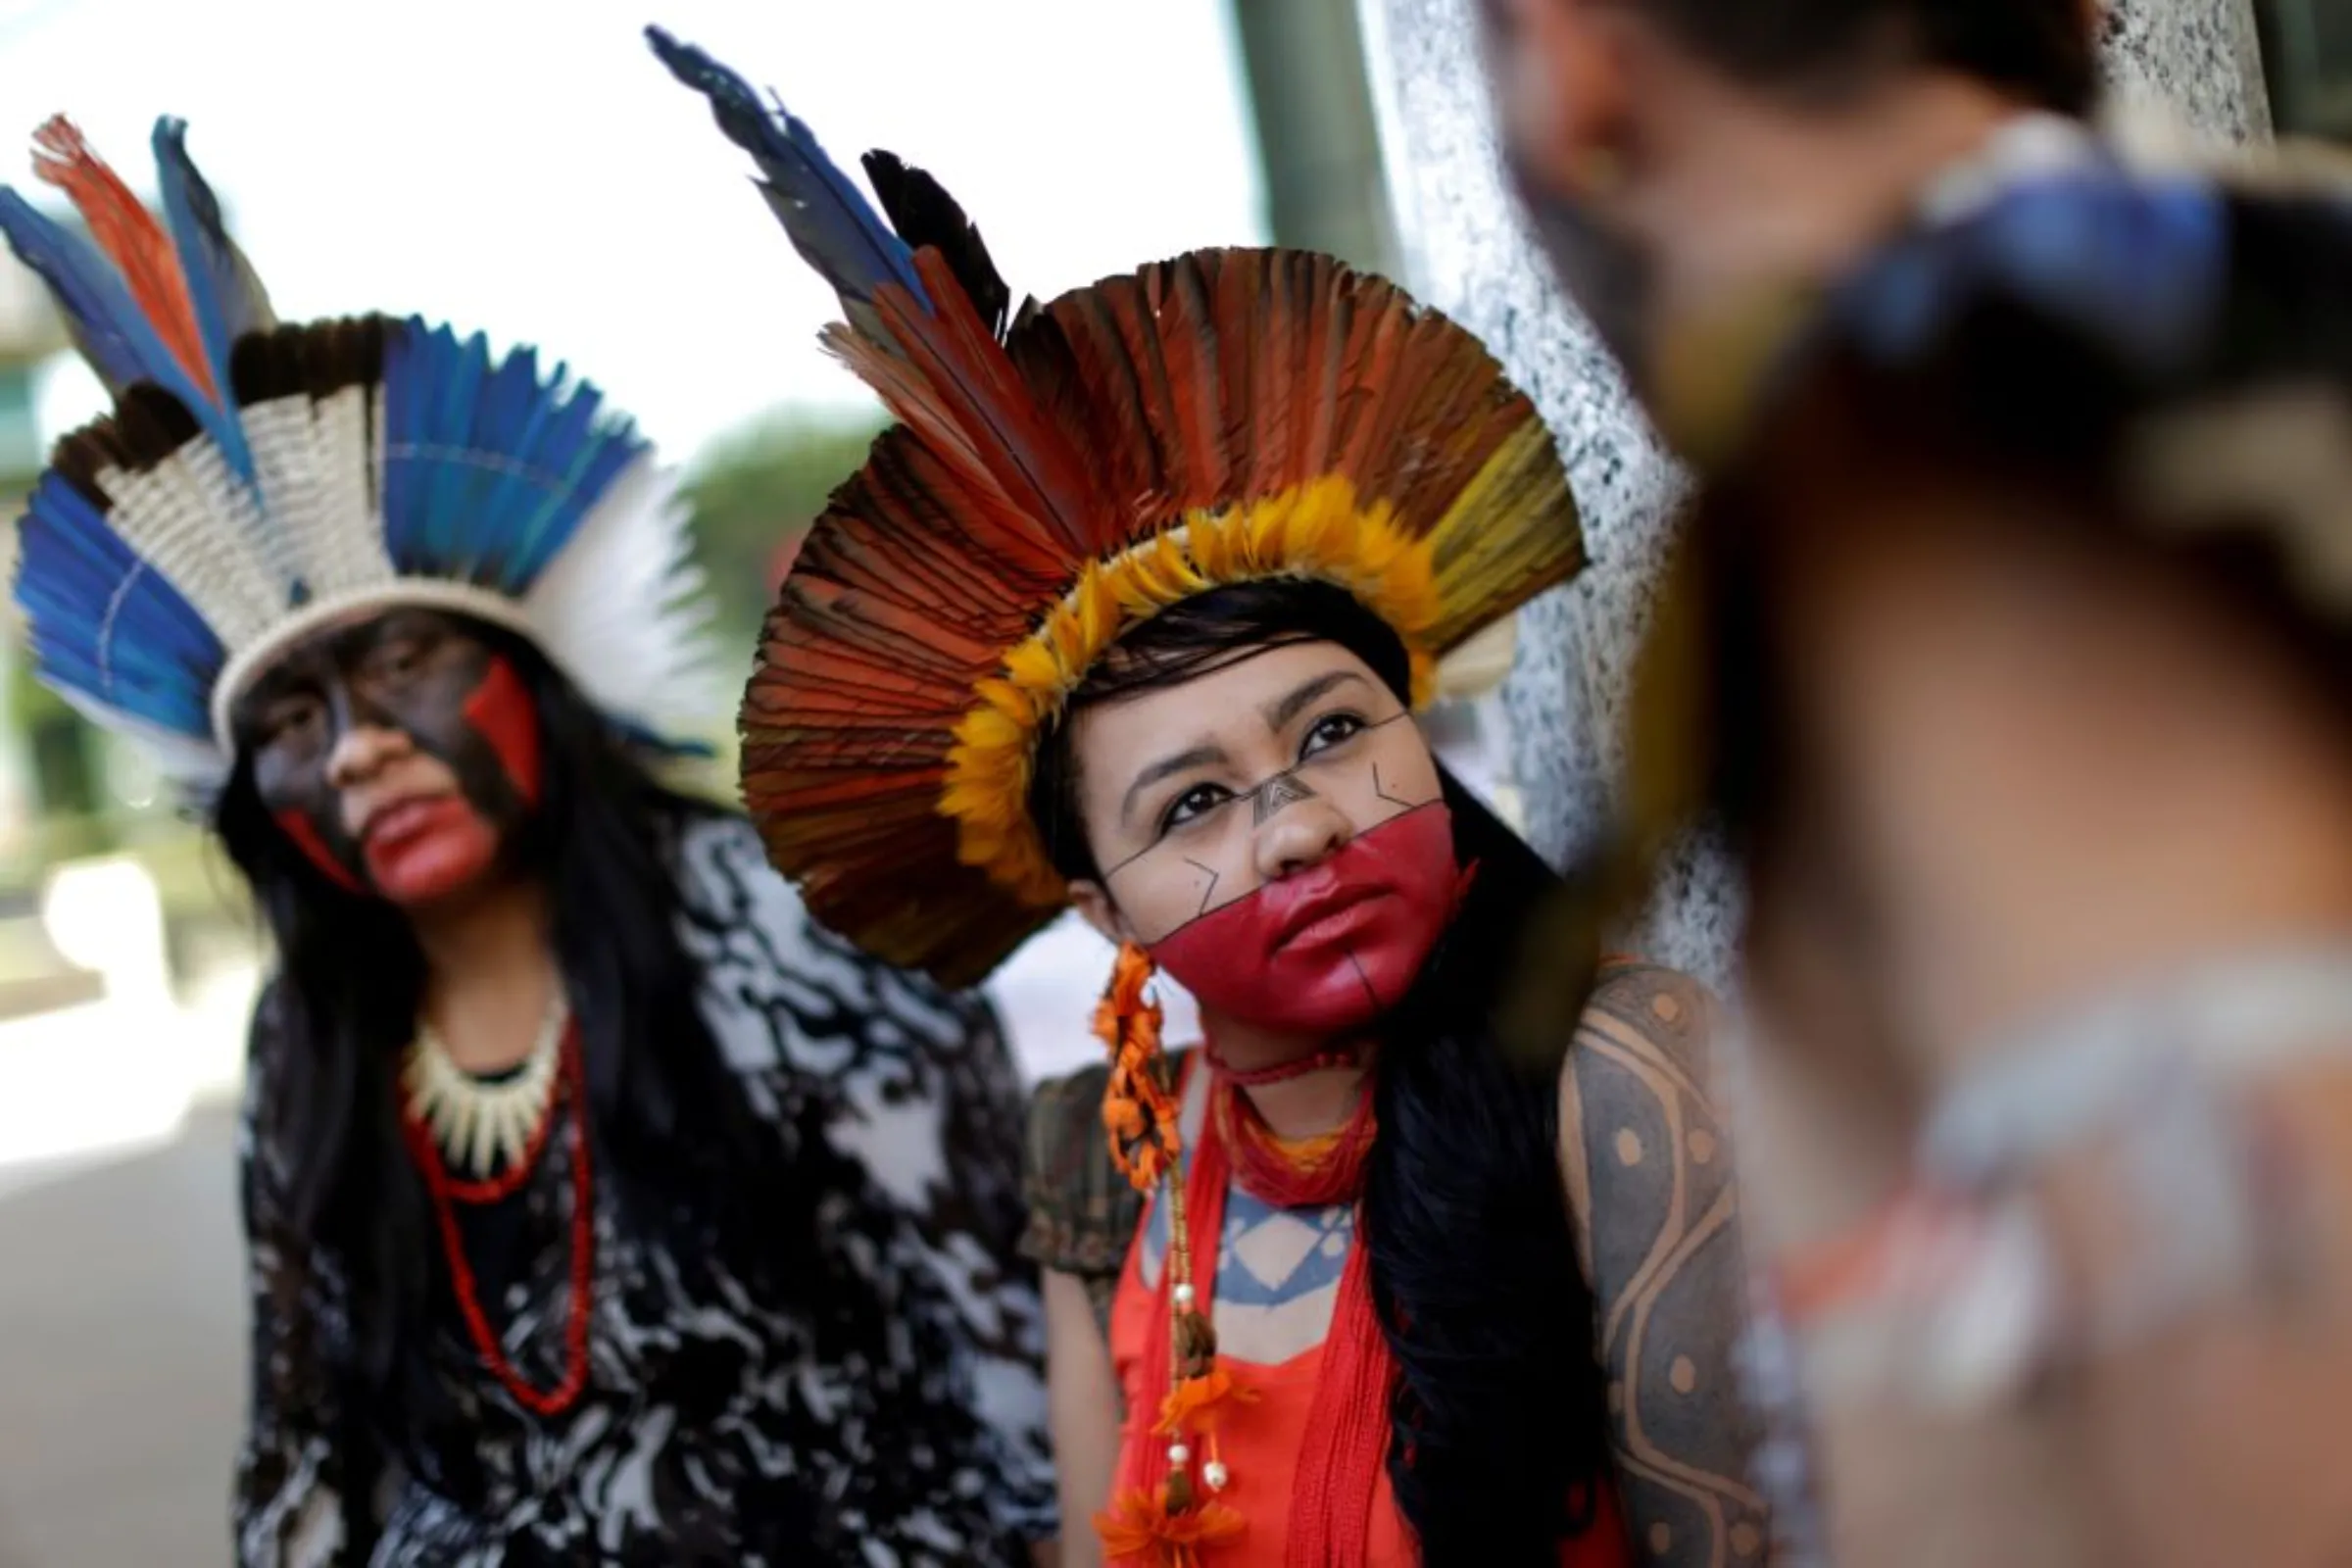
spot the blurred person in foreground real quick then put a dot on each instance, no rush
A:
(2007, 646)
(1699, 173)
(601, 1207)
(1132, 614)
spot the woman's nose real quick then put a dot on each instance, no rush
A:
(362, 750)
(1298, 829)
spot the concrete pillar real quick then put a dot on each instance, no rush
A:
(1467, 252)
(1317, 136)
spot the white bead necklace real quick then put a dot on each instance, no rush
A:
(484, 1125)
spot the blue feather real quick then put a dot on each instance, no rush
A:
(489, 468)
(74, 555)
(577, 453)
(228, 298)
(114, 334)
(514, 412)
(829, 219)
(452, 457)
(106, 623)
(109, 327)
(402, 393)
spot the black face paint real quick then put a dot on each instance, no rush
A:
(418, 671)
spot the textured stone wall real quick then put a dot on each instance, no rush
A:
(1468, 254)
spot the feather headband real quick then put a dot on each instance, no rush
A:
(1061, 473)
(258, 480)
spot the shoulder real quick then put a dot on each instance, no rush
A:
(723, 872)
(1648, 1020)
(1641, 1131)
(1082, 1211)
(1063, 1132)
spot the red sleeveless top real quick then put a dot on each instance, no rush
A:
(1260, 1445)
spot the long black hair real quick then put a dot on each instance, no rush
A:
(1497, 1424)
(670, 1125)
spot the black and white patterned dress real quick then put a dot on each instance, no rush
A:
(715, 1428)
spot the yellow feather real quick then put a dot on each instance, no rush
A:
(1317, 530)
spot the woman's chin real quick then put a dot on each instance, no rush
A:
(420, 877)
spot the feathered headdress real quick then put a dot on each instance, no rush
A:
(258, 480)
(1062, 473)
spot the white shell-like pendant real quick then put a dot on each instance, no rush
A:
(484, 1125)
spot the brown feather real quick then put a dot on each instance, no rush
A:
(1035, 467)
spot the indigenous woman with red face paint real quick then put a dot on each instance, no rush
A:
(602, 1208)
(1132, 611)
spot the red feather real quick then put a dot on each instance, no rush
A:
(132, 239)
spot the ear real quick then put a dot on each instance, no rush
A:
(1092, 902)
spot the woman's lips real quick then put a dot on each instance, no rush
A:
(387, 827)
(1325, 917)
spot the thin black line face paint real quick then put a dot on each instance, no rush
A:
(1325, 950)
(1283, 789)
(1217, 844)
(1270, 796)
(1210, 892)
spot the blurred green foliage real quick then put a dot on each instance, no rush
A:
(68, 768)
(754, 491)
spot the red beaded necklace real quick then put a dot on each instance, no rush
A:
(447, 1193)
(1302, 1174)
(1281, 1072)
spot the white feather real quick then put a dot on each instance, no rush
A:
(620, 609)
(198, 537)
(311, 458)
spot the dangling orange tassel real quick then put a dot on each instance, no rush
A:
(1202, 1403)
(1138, 1115)
(1164, 1526)
(1142, 1531)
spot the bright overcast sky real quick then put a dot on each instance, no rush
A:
(528, 167)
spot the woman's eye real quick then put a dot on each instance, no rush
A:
(398, 661)
(1196, 802)
(293, 719)
(1329, 731)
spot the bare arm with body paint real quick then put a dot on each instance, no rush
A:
(1646, 1156)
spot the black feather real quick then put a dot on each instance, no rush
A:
(829, 222)
(316, 359)
(923, 212)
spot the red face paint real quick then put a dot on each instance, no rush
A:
(499, 711)
(426, 850)
(1331, 949)
(305, 834)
